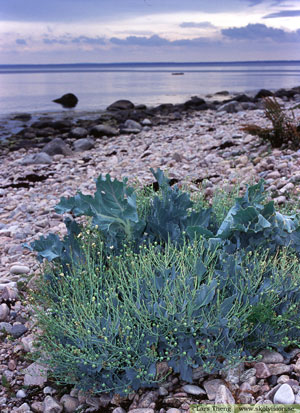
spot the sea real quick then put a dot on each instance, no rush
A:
(32, 88)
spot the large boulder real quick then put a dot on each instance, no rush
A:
(289, 93)
(263, 93)
(103, 130)
(78, 133)
(242, 98)
(57, 147)
(83, 144)
(230, 107)
(132, 124)
(23, 117)
(122, 104)
(67, 101)
(196, 103)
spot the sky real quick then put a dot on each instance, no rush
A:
(104, 31)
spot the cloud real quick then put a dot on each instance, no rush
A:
(283, 13)
(255, 2)
(202, 25)
(21, 42)
(88, 40)
(260, 32)
(67, 39)
(157, 41)
(140, 41)
(54, 41)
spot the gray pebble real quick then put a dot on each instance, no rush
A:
(162, 391)
(4, 312)
(70, 403)
(49, 390)
(18, 330)
(119, 410)
(51, 405)
(20, 394)
(191, 389)
(5, 327)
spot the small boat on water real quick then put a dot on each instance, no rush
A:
(177, 73)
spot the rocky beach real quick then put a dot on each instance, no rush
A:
(199, 143)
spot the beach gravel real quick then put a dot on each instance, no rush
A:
(202, 147)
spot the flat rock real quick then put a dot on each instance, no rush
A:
(284, 395)
(18, 330)
(35, 375)
(35, 159)
(278, 369)
(192, 389)
(19, 269)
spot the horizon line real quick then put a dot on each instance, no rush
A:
(151, 63)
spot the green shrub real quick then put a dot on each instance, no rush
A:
(106, 328)
(159, 278)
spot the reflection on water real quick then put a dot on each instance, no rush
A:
(32, 89)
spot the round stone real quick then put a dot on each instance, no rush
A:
(4, 312)
(70, 403)
(20, 394)
(284, 395)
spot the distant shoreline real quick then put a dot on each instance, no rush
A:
(221, 63)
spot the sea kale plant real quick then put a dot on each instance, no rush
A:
(156, 278)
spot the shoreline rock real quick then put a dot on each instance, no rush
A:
(37, 133)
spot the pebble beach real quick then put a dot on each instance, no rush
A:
(204, 147)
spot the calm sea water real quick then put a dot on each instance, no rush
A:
(31, 88)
